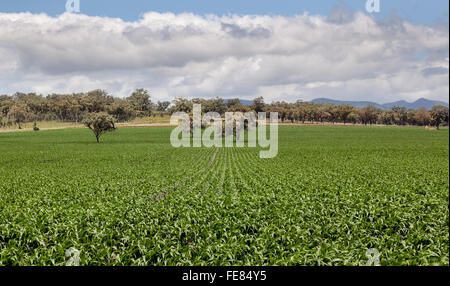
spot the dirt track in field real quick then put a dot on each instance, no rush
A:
(125, 125)
(68, 127)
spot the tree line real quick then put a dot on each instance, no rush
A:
(27, 107)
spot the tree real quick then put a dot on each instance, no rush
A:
(387, 117)
(35, 104)
(181, 104)
(5, 104)
(214, 105)
(327, 112)
(97, 101)
(439, 114)
(4, 122)
(140, 101)
(291, 114)
(121, 110)
(162, 105)
(317, 112)
(19, 114)
(344, 111)
(368, 114)
(413, 118)
(63, 106)
(233, 102)
(422, 116)
(258, 104)
(303, 110)
(353, 117)
(211, 105)
(76, 108)
(400, 115)
(99, 123)
(282, 108)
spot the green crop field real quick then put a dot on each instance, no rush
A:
(331, 194)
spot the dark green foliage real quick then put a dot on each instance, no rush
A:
(99, 123)
(439, 114)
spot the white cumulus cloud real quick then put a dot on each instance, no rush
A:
(349, 56)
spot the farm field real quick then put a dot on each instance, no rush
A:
(329, 195)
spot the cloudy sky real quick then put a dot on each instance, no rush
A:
(334, 49)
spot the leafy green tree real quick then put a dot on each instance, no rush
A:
(343, 111)
(387, 117)
(328, 112)
(353, 117)
(258, 104)
(233, 102)
(5, 104)
(303, 110)
(99, 123)
(162, 105)
(283, 109)
(35, 104)
(121, 110)
(421, 116)
(320, 112)
(4, 122)
(97, 101)
(141, 103)
(214, 105)
(19, 114)
(66, 108)
(211, 105)
(368, 115)
(76, 108)
(182, 105)
(439, 115)
(400, 115)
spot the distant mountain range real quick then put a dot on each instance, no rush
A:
(422, 102)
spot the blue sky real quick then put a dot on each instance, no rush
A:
(429, 12)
